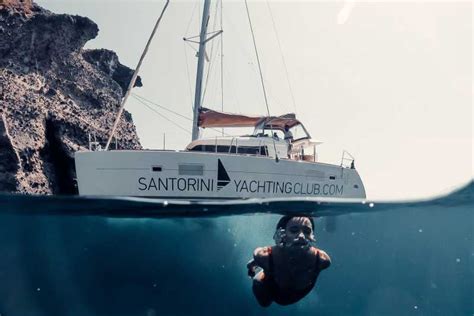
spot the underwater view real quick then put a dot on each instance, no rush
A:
(77, 256)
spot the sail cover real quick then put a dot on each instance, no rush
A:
(211, 118)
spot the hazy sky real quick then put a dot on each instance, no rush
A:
(391, 82)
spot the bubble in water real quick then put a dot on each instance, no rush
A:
(415, 307)
(165, 203)
(420, 230)
(371, 205)
(38, 289)
(353, 233)
(458, 260)
(150, 312)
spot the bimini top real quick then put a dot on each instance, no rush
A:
(211, 118)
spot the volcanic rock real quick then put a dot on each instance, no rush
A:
(54, 95)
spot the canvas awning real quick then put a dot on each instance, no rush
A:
(211, 118)
(279, 122)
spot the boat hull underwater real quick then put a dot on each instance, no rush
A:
(196, 176)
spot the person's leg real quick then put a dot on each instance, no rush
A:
(288, 298)
(261, 291)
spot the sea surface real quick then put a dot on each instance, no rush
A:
(88, 256)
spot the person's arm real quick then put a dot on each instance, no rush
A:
(324, 260)
(261, 257)
(252, 268)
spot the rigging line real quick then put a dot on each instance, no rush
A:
(152, 109)
(140, 98)
(282, 56)
(209, 72)
(276, 103)
(233, 29)
(191, 19)
(222, 65)
(234, 95)
(243, 52)
(261, 77)
(199, 11)
(258, 59)
(216, 130)
(134, 77)
(187, 42)
(209, 67)
(188, 75)
(191, 38)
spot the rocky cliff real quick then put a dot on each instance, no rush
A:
(53, 95)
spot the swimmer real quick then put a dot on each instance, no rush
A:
(291, 267)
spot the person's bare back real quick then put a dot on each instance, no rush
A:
(290, 268)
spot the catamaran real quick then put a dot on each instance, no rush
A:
(268, 163)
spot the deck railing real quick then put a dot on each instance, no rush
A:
(347, 160)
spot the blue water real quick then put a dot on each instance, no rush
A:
(75, 256)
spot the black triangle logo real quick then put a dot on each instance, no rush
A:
(223, 178)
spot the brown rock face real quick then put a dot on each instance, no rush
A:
(53, 95)
(24, 6)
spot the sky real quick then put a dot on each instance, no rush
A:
(390, 82)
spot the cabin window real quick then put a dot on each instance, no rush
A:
(156, 168)
(191, 169)
(253, 150)
(212, 148)
(225, 149)
(248, 150)
(332, 177)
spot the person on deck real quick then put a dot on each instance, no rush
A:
(291, 267)
(288, 134)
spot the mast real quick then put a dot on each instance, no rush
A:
(200, 69)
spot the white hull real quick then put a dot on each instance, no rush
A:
(197, 175)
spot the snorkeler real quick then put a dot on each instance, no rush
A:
(291, 267)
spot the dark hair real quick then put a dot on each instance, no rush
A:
(285, 219)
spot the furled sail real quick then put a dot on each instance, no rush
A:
(211, 118)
